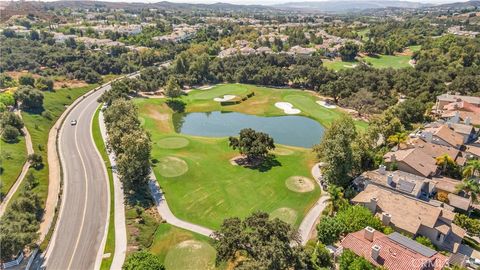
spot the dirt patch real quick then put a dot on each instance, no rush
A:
(18, 74)
(162, 119)
(300, 184)
(69, 84)
(243, 161)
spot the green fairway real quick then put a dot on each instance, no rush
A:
(200, 183)
(338, 65)
(12, 158)
(182, 249)
(388, 61)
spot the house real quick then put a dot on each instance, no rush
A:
(403, 182)
(446, 99)
(446, 191)
(247, 51)
(264, 50)
(445, 135)
(472, 151)
(228, 52)
(393, 251)
(411, 216)
(437, 150)
(413, 160)
(298, 50)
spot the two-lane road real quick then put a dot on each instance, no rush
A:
(78, 240)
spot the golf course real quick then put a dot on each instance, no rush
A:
(200, 182)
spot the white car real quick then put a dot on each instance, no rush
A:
(73, 122)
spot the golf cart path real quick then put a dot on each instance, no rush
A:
(309, 221)
(160, 202)
(23, 173)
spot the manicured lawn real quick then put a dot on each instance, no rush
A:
(338, 65)
(388, 61)
(263, 103)
(415, 48)
(182, 249)
(39, 126)
(200, 183)
(12, 156)
(110, 243)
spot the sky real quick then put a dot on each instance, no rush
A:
(253, 2)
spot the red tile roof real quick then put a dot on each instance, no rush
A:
(393, 255)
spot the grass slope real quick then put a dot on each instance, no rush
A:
(110, 243)
(13, 156)
(39, 126)
(388, 61)
(168, 244)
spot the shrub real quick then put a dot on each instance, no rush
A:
(10, 134)
(329, 230)
(36, 161)
(26, 80)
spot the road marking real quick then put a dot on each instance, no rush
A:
(86, 189)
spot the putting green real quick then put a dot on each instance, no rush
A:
(299, 184)
(285, 214)
(191, 255)
(173, 142)
(172, 166)
(282, 151)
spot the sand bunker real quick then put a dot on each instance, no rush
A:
(287, 108)
(225, 98)
(300, 184)
(326, 105)
(206, 87)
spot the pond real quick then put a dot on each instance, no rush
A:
(289, 130)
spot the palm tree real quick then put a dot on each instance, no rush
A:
(471, 187)
(335, 199)
(444, 161)
(472, 169)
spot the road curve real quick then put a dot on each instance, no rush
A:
(78, 239)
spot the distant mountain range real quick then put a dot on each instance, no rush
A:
(349, 5)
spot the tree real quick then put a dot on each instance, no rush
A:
(10, 118)
(351, 261)
(425, 241)
(471, 187)
(26, 80)
(36, 161)
(10, 134)
(29, 98)
(44, 84)
(329, 230)
(397, 139)
(410, 111)
(133, 163)
(448, 165)
(336, 199)
(357, 217)
(257, 242)
(370, 48)
(6, 81)
(143, 260)
(320, 257)
(471, 225)
(34, 35)
(349, 51)
(472, 169)
(335, 151)
(254, 145)
(172, 89)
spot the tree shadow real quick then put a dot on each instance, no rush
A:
(176, 105)
(262, 165)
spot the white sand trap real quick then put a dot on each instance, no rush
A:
(287, 108)
(324, 104)
(225, 98)
(206, 87)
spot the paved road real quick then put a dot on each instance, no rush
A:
(78, 240)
